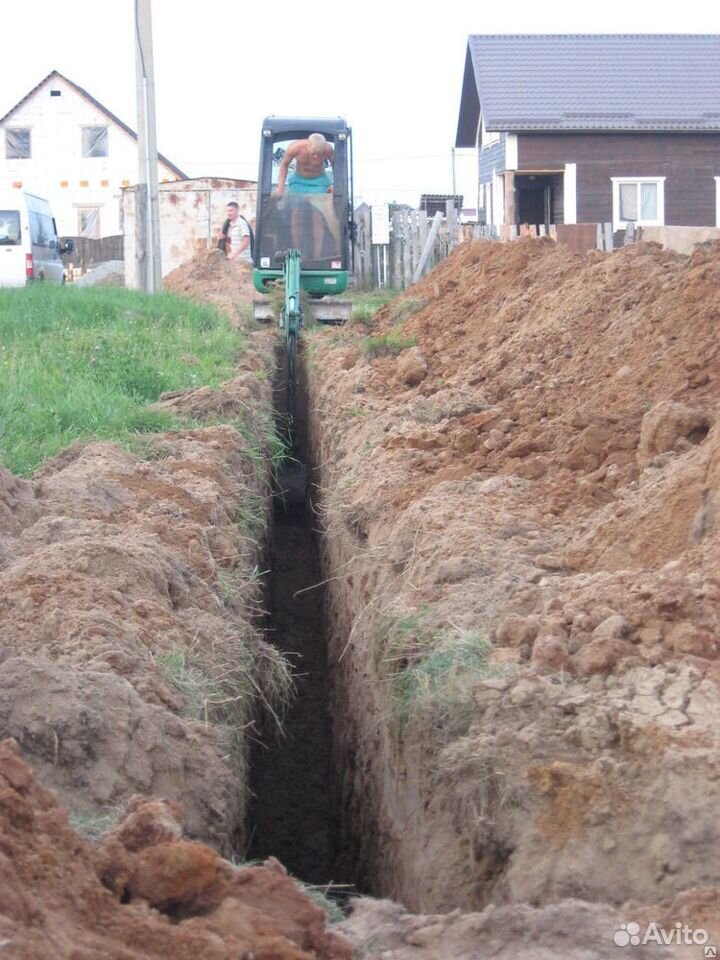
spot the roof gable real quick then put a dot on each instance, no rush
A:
(604, 82)
(55, 75)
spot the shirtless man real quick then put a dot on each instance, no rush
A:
(309, 175)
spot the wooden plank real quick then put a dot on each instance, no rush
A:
(608, 231)
(411, 254)
(422, 229)
(396, 242)
(451, 218)
(429, 244)
(406, 261)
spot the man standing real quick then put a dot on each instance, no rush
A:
(309, 186)
(309, 175)
(238, 236)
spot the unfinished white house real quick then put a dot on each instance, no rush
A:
(60, 143)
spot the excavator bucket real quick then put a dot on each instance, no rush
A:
(264, 310)
(321, 311)
(330, 311)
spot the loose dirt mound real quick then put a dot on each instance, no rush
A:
(526, 451)
(525, 454)
(569, 930)
(129, 639)
(144, 892)
(211, 278)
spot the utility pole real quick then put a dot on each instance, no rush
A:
(147, 205)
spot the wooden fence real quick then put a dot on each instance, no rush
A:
(412, 243)
(87, 252)
(415, 243)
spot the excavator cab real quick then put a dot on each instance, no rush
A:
(314, 219)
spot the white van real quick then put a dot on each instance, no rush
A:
(29, 245)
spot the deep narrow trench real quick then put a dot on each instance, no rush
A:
(291, 812)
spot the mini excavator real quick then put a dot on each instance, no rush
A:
(303, 240)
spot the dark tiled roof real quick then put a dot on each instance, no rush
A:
(611, 82)
(111, 116)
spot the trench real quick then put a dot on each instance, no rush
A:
(292, 814)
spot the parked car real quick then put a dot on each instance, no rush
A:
(29, 246)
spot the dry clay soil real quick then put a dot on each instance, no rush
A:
(540, 464)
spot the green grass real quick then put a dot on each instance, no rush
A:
(223, 685)
(366, 304)
(387, 344)
(432, 673)
(81, 364)
(91, 826)
(393, 341)
(404, 309)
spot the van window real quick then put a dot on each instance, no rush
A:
(42, 232)
(9, 228)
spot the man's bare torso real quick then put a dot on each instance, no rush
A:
(309, 164)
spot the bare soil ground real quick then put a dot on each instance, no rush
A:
(541, 467)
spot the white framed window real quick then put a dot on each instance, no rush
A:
(487, 138)
(638, 200)
(94, 141)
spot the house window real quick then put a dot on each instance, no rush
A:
(17, 144)
(640, 201)
(94, 141)
(89, 222)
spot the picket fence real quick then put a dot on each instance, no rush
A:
(413, 242)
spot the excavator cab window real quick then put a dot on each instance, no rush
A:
(309, 217)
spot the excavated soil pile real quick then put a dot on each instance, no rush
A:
(211, 278)
(129, 634)
(133, 665)
(518, 476)
(520, 479)
(144, 892)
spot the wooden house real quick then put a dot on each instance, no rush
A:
(594, 128)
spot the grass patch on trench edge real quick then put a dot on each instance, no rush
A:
(393, 341)
(432, 673)
(221, 690)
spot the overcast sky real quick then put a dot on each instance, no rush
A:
(392, 68)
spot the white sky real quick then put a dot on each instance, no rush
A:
(392, 68)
